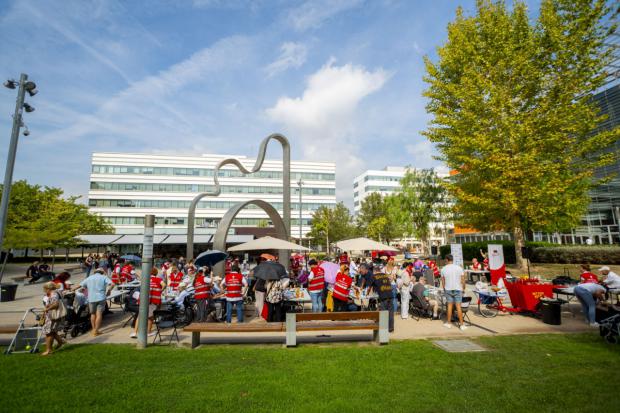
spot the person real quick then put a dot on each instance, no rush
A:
(453, 283)
(125, 275)
(475, 265)
(274, 298)
(316, 284)
(44, 271)
(433, 266)
(103, 263)
(33, 271)
(611, 279)
(587, 276)
(116, 272)
(382, 285)
(420, 291)
(365, 275)
(418, 264)
(88, 264)
(392, 271)
(342, 287)
(98, 287)
(234, 283)
(260, 288)
(202, 290)
(354, 268)
(61, 281)
(344, 258)
(51, 326)
(405, 288)
(156, 286)
(174, 278)
(485, 260)
(588, 294)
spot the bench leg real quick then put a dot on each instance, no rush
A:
(291, 330)
(383, 335)
(195, 339)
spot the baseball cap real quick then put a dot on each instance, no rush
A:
(604, 268)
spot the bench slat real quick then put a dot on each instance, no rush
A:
(336, 326)
(8, 329)
(242, 328)
(353, 315)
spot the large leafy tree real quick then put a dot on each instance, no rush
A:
(513, 113)
(379, 218)
(331, 224)
(422, 202)
(40, 218)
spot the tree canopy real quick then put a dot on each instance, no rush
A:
(40, 218)
(513, 113)
(379, 218)
(331, 225)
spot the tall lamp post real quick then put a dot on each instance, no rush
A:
(300, 183)
(22, 86)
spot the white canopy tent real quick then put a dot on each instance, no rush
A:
(268, 243)
(363, 244)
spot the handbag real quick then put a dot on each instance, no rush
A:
(58, 312)
(274, 295)
(265, 311)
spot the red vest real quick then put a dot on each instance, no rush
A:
(476, 266)
(341, 287)
(588, 277)
(155, 290)
(317, 283)
(433, 266)
(344, 259)
(201, 288)
(174, 279)
(485, 263)
(125, 273)
(116, 274)
(234, 283)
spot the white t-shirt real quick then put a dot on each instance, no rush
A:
(452, 274)
(612, 280)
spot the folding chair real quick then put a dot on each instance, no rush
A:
(464, 309)
(165, 319)
(417, 308)
(130, 305)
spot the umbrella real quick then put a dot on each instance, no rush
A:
(209, 258)
(132, 258)
(386, 253)
(331, 270)
(363, 244)
(268, 243)
(270, 270)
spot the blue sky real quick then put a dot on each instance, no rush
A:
(341, 78)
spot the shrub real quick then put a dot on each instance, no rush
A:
(595, 254)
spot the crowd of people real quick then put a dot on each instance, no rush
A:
(592, 289)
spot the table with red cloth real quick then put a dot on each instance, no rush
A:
(525, 294)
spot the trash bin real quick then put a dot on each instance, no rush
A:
(551, 312)
(8, 292)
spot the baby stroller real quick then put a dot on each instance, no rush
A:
(216, 309)
(77, 320)
(610, 329)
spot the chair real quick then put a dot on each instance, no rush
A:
(464, 309)
(417, 308)
(165, 319)
(130, 305)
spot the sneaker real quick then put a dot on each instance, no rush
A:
(447, 325)
(594, 324)
(133, 335)
(463, 327)
(152, 333)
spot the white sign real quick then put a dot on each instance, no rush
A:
(496, 256)
(457, 254)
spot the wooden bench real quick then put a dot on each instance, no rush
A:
(8, 329)
(377, 321)
(197, 328)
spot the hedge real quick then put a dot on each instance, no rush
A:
(543, 252)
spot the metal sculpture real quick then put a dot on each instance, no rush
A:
(286, 194)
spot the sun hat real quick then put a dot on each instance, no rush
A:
(604, 268)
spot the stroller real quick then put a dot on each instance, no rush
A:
(77, 320)
(610, 329)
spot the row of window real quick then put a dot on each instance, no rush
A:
(152, 203)
(382, 178)
(226, 189)
(225, 173)
(380, 189)
(199, 221)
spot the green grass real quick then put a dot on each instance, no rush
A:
(520, 374)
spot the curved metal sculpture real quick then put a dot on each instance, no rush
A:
(286, 187)
(219, 240)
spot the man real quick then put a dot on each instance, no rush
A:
(365, 275)
(33, 272)
(344, 258)
(88, 264)
(419, 291)
(610, 278)
(588, 294)
(382, 285)
(202, 291)
(156, 286)
(316, 284)
(125, 275)
(98, 287)
(234, 283)
(453, 284)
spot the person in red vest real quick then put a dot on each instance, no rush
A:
(587, 276)
(342, 287)
(344, 258)
(202, 292)
(475, 265)
(125, 275)
(433, 266)
(485, 261)
(234, 283)
(174, 278)
(316, 284)
(156, 286)
(116, 273)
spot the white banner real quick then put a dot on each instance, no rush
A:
(457, 254)
(496, 256)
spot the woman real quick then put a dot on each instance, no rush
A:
(274, 296)
(586, 275)
(342, 288)
(51, 326)
(61, 281)
(391, 270)
(405, 291)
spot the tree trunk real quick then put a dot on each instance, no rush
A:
(519, 243)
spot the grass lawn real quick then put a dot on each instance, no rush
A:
(520, 374)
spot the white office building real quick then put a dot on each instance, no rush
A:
(124, 187)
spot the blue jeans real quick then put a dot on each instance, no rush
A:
(317, 302)
(588, 303)
(88, 268)
(394, 300)
(229, 308)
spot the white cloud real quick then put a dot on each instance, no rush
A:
(292, 55)
(323, 118)
(421, 154)
(313, 13)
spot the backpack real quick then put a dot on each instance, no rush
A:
(274, 295)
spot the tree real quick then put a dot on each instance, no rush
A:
(421, 201)
(40, 218)
(379, 218)
(331, 225)
(514, 115)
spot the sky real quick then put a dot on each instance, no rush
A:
(342, 79)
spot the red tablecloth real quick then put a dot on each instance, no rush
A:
(527, 295)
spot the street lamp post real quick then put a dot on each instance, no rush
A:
(23, 86)
(300, 183)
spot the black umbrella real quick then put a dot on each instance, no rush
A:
(270, 270)
(209, 258)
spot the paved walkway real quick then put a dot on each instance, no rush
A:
(504, 324)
